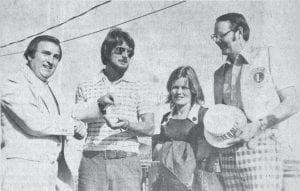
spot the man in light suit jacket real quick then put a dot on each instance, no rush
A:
(34, 130)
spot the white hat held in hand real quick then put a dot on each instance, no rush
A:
(221, 122)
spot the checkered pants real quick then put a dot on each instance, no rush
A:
(259, 169)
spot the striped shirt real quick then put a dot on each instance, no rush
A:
(131, 100)
(232, 89)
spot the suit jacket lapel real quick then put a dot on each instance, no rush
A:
(36, 93)
(55, 100)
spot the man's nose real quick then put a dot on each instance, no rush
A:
(51, 59)
(125, 53)
(218, 40)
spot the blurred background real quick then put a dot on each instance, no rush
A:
(175, 36)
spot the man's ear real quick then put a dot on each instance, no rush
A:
(240, 31)
(29, 58)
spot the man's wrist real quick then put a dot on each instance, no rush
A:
(101, 106)
(126, 126)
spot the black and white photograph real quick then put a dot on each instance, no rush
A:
(128, 95)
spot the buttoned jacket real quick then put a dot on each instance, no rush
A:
(30, 130)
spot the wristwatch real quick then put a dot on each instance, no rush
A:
(263, 124)
(125, 127)
(102, 107)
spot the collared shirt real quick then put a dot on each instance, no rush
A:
(186, 129)
(192, 116)
(281, 75)
(232, 89)
(280, 66)
(131, 100)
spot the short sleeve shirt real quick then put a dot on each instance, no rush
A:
(282, 69)
(131, 100)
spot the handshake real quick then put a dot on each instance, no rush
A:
(80, 129)
(114, 123)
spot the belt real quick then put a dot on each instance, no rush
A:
(115, 154)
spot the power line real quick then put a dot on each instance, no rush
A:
(106, 28)
(14, 53)
(130, 20)
(55, 26)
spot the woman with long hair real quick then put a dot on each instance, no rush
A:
(182, 151)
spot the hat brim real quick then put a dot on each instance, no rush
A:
(220, 120)
(213, 140)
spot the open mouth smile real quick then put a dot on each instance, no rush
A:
(49, 67)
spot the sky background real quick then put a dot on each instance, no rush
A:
(176, 36)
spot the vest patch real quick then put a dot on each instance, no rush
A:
(258, 76)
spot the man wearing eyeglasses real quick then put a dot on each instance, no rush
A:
(116, 108)
(252, 80)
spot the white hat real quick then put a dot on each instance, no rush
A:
(221, 122)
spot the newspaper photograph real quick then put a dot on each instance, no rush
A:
(149, 95)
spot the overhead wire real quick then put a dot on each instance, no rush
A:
(109, 27)
(130, 20)
(55, 26)
(13, 53)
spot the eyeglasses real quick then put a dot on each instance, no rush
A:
(218, 37)
(119, 51)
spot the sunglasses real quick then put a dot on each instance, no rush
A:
(120, 50)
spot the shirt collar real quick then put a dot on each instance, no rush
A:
(126, 77)
(245, 56)
(246, 53)
(192, 116)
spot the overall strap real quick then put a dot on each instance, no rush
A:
(201, 114)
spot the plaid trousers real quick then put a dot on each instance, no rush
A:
(247, 169)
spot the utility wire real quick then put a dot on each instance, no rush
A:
(130, 20)
(14, 53)
(55, 26)
(106, 28)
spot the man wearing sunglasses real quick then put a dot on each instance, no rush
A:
(256, 81)
(116, 109)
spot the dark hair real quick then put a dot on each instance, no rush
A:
(189, 73)
(31, 48)
(237, 20)
(115, 36)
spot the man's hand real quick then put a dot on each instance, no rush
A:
(80, 130)
(104, 102)
(247, 133)
(117, 123)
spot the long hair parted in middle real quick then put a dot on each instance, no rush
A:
(115, 36)
(189, 73)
